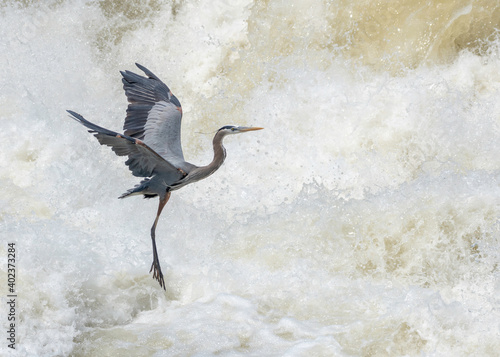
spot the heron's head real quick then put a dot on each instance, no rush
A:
(231, 129)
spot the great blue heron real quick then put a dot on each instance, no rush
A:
(152, 142)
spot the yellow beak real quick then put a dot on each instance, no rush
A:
(243, 129)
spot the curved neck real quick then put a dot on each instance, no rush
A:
(218, 160)
(219, 152)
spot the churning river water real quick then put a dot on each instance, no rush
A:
(363, 221)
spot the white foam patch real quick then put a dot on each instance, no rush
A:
(363, 220)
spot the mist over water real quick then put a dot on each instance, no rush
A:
(363, 221)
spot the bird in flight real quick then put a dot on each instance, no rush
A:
(152, 142)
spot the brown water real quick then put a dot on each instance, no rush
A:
(363, 221)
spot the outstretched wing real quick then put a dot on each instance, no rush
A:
(154, 115)
(143, 161)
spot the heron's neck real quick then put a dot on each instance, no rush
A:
(219, 156)
(219, 151)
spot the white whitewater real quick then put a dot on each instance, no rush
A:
(363, 221)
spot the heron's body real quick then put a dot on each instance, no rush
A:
(151, 140)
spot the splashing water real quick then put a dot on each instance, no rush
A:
(363, 221)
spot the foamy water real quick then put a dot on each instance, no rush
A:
(363, 221)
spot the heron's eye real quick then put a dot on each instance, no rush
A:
(233, 128)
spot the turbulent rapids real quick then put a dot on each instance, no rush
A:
(364, 221)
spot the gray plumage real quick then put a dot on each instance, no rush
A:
(152, 143)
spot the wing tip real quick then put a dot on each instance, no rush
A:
(130, 77)
(146, 71)
(75, 116)
(141, 67)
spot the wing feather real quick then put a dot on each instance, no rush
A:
(143, 161)
(154, 115)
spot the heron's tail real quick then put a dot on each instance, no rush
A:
(140, 189)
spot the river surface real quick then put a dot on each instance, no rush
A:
(364, 220)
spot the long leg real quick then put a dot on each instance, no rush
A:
(155, 267)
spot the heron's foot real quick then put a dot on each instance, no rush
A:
(157, 274)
